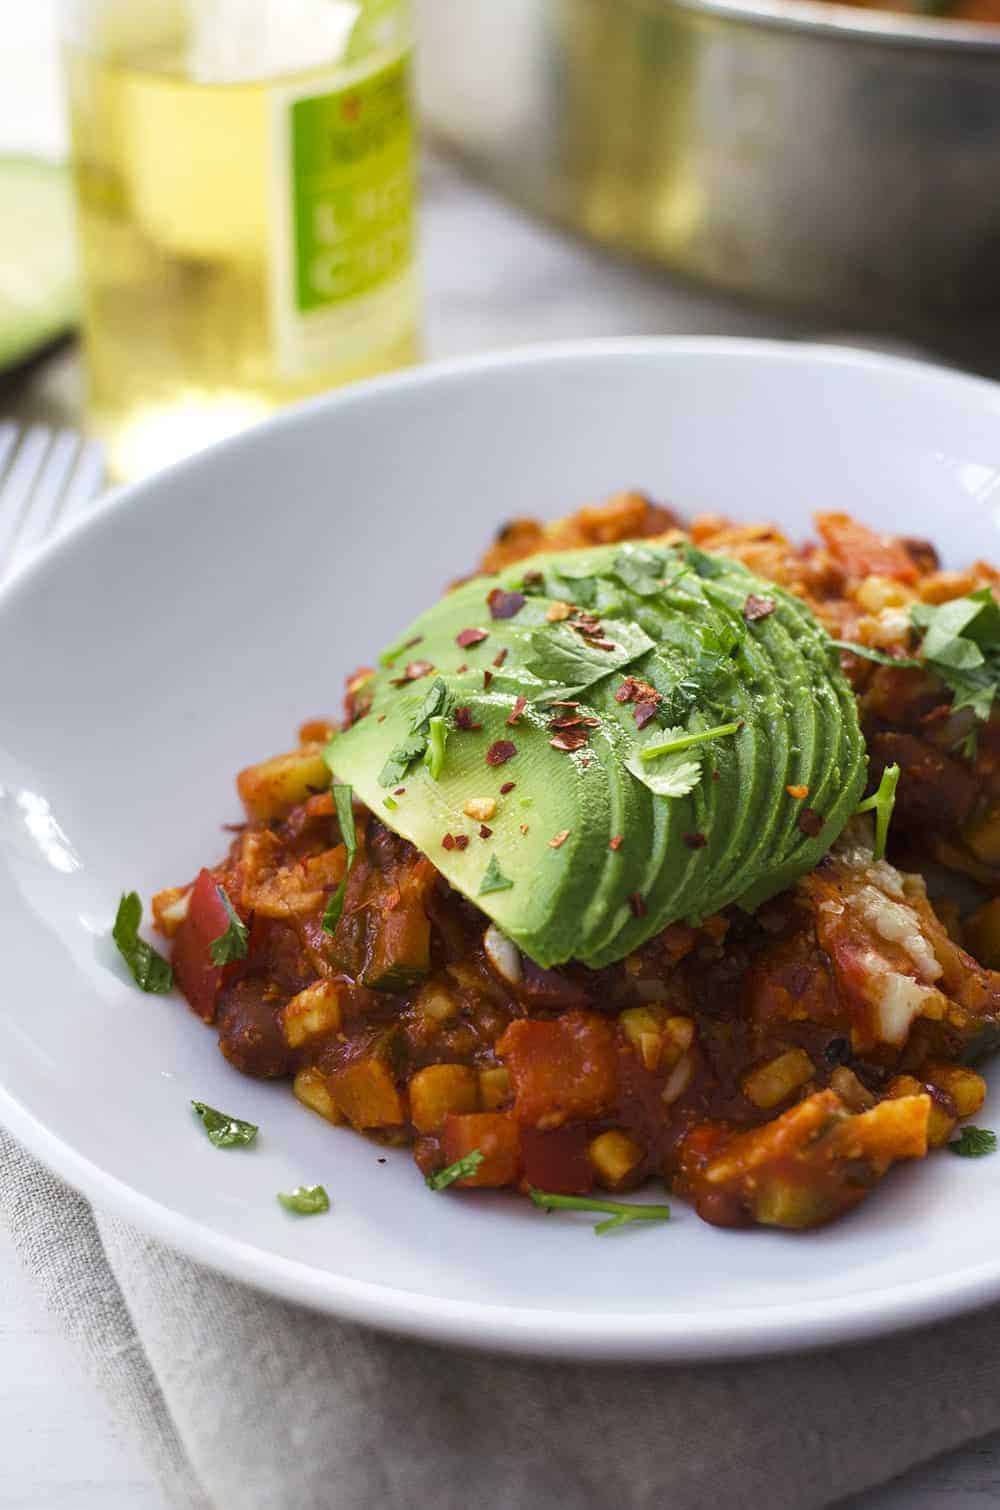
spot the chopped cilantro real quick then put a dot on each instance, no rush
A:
(401, 758)
(434, 704)
(881, 803)
(149, 970)
(560, 654)
(704, 564)
(974, 1142)
(390, 803)
(223, 1130)
(343, 803)
(437, 733)
(460, 1170)
(671, 740)
(620, 1213)
(233, 943)
(868, 653)
(961, 644)
(306, 1200)
(641, 571)
(494, 879)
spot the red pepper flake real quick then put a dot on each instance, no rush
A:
(755, 608)
(399, 791)
(567, 721)
(616, 842)
(448, 842)
(500, 752)
(570, 740)
(558, 840)
(414, 671)
(500, 657)
(484, 832)
(504, 605)
(415, 641)
(464, 720)
(695, 841)
(810, 822)
(716, 776)
(637, 904)
(644, 714)
(533, 578)
(487, 678)
(627, 691)
(524, 829)
(467, 637)
(460, 669)
(461, 841)
(798, 792)
(563, 705)
(380, 719)
(508, 786)
(604, 644)
(520, 704)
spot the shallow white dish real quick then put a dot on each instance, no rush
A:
(192, 625)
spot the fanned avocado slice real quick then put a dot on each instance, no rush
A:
(512, 734)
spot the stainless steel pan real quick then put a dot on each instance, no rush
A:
(809, 155)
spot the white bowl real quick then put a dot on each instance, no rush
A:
(191, 625)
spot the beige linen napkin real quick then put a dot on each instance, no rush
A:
(239, 1400)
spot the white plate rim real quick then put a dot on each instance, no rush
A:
(652, 1336)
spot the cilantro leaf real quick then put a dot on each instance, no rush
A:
(961, 644)
(494, 879)
(641, 571)
(660, 762)
(306, 1200)
(343, 803)
(437, 733)
(881, 803)
(560, 654)
(619, 1212)
(435, 704)
(868, 653)
(149, 969)
(401, 758)
(974, 1142)
(232, 944)
(460, 1170)
(223, 1130)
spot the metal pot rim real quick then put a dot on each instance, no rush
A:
(846, 23)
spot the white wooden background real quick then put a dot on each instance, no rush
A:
(493, 279)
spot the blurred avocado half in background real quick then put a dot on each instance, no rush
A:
(39, 296)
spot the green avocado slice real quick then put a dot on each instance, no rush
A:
(552, 685)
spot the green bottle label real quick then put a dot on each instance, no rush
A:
(344, 234)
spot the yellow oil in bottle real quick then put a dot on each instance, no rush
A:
(228, 266)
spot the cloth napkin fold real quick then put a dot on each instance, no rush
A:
(238, 1399)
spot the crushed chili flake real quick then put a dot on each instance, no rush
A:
(756, 608)
(644, 714)
(465, 721)
(557, 611)
(638, 905)
(484, 832)
(695, 841)
(500, 752)
(566, 721)
(500, 657)
(798, 792)
(504, 605)
(508, 786)
(467, 637)
(520, 704)
(448, 842)
(558, 840)
(616, 842)
(524, 828)
(570, 740)
(532, 578)
(414, 671)
(487, 678)
(604, 644)
(461, 841)
(380, 719)
(399, 791)
(810, 822)
(460, 669)
(716, 776)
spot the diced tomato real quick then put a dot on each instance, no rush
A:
(863, 553)
(561, 1070)
(496, 1136)
(206, 920)
(557, 1161)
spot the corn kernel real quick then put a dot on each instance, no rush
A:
(614, 1155)
(964, 1086)
(772, 1083)
(311, 1013)
(494, 1088)
(481, 809)
(678, 1080)
(876, 593)
(311, 1089)
(440, 1089)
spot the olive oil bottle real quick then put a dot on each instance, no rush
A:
(245, 182)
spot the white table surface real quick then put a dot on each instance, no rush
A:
(492, 279)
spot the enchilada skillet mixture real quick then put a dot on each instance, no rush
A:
(605, 885)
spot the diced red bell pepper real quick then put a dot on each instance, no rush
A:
(563, 1070)
(557, 1161)
(194, 972)
(496, 1136)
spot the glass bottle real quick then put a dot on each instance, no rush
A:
(244, 176)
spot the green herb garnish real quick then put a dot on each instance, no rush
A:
(390, 803)
(672, 740)
(880, 657)
(306, 1200)
(222, 1129)
(343, 803)
(674, 774)
(494, 879)
(973, 1143)
(961, 644)
(149, 970)
(232, 944)
(401, 758)
(559, 654)
(640, 570)
(437, 733)
(620, 1213)
(462, 1169)
(881, 803)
